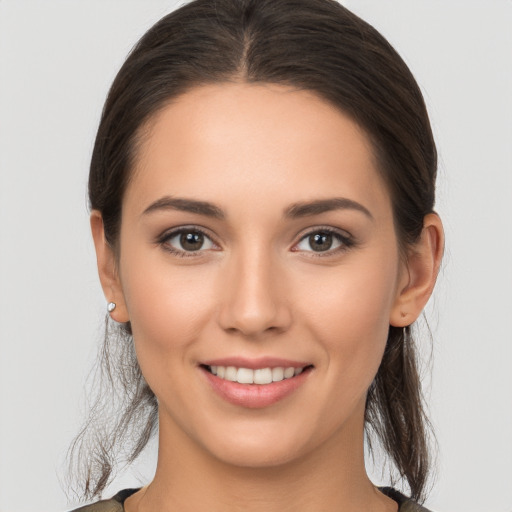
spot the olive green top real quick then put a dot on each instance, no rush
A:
(115, 504)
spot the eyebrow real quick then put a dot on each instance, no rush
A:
(186, 205)
(294, 211)
(309, 208)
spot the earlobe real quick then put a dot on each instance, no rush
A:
(107, 270)
(420, 274)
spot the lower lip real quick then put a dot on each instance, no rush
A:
(255, 396)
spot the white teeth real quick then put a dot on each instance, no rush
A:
(230, 374)
(263, 376)
(245, 376)
(259, 376)
(277, 374)
(289, 372)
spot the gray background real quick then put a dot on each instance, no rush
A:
(57, 59)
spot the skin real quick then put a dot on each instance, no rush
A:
(257, 288)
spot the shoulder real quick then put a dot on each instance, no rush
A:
(412, 506)
(405, 503)
(114, 504)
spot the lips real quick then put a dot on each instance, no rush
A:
(255, 383)
(258, 376)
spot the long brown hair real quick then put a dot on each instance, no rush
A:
(316, 45)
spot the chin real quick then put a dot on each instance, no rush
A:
(257, 456)
(262, 447)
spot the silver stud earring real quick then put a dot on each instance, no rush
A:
(111, 306)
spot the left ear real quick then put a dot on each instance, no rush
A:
(419, 274)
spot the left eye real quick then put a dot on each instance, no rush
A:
(189, 241)
(321, 241)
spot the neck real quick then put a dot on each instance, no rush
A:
(330, 478)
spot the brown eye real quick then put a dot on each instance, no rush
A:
(320, 241)
(324, 241)
(191, 241)
(183, 241)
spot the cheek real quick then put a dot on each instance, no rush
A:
(167, 305)
(349, 313)
(357, 297)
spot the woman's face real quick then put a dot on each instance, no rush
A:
(257, 236)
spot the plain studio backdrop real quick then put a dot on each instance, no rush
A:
(57, 60)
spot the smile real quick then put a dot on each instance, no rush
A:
(258, 376)
(257, 387)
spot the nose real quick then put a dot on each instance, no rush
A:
(253, 297)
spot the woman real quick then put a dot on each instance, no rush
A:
(262, 193)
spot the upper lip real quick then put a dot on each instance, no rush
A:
(255, 363)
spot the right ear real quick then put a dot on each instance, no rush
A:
(107, 269)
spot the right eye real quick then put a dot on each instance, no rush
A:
(184, 242)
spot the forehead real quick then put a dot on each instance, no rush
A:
(268, 141)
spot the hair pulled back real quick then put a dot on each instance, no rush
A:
(315, 45)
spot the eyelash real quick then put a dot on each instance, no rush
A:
(345, 240)
(163, 240)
